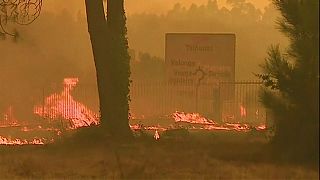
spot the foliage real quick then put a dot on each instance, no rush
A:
(19, 12)
(148, 67)
(292, 79)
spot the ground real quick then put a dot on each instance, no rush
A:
(199, 155)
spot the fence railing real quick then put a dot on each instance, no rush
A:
(223, 101)
(239, 102)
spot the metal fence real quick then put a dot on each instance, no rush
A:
(223, 101)
(154, 99)
(239, 102)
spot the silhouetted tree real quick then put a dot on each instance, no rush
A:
(148, 68)
(118, 121)
(18, 12)
(292, 79)
(110, 49)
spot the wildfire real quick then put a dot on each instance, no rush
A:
(63, 106)
(193, 118)
(8, 118)
(35, 141)
(243, 111)
(57, 106)
(156, 135)
(261, 127)
(196, 118)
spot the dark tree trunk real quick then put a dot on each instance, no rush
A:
(116, 22)
(109, 45)
(97, 27)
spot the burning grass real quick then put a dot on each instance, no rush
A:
(187, 146)
(61, 112)
(47, 132)
(200, 155)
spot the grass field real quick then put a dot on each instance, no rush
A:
(200, 155)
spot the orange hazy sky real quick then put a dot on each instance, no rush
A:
(139, 6)
(161, 6)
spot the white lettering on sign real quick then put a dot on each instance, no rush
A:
(193, 58)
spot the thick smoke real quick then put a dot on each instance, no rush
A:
(34, 64)
(57, 45)
(255, 30)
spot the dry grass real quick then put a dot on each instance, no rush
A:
(198, 156)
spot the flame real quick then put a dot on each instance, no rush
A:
(261, 127)
(135, 127)
(8, 118)
(57, 106)
(156, 135)
(243, 111)
(62, 105)
(28, 129)
(133, 116)
(208, 124)
(35, 141)
(193, 118)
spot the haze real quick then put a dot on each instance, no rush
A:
(159, 89)
(59, 39)
(143, 6)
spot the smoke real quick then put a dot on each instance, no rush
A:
(57, 45)
(255, 30)
(140, 6)
(32, 66)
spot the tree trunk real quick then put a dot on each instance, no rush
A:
(120, 68)
(112, 75)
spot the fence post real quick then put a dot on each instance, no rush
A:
(197, 89)
(43, 103)
(219, 102)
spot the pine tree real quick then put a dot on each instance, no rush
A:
(292, 79)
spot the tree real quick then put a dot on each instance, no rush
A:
(292, 79)
(19, 12)
(120, 69)
(110, 50)
(148, 68)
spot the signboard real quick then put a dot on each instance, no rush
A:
(193, 59)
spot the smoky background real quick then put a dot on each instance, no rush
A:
(57, 46)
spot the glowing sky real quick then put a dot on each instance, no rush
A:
(139, 6)
(161, 6)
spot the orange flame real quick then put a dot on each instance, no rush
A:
(8, 118)
(156, 135)
(261, 127)
(35, 141)
(193, 118)
(243, 111)
(196, 118)
(62, 105)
